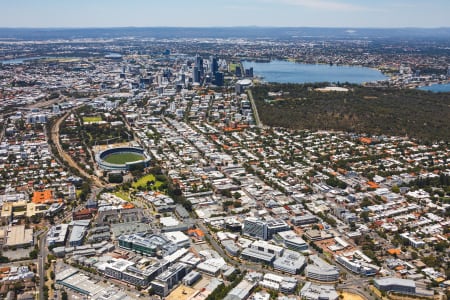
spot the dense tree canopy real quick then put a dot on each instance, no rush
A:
(399, 112)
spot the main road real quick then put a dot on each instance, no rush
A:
(254, 108)
(43, 251)
(41, 263)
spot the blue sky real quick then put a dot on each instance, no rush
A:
(204, 13)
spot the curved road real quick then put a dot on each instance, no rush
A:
(66, 157)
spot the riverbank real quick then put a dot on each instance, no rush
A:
(297, 71)
(441, 86)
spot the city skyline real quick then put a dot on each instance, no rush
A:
(202, 13)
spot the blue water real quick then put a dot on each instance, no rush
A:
(436, 88)
(18, 61)
(290, 72)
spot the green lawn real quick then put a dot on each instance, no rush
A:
(142, 182)
(122, 194)
(232, 67)
(92, 119)
(122, 158)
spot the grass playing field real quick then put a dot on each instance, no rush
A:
(92, 119)
(122, 158)
(232, 67)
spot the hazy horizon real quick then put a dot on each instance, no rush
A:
(224, 27)
(231, 13)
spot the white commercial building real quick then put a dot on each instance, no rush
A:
(312, 291)
(291, 262)
(178, 238)
(320, 270)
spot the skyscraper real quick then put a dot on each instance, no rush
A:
(199, 64)
(249, 72)
(238, 71)
(214, 65)
(218, 79)
(196, 74)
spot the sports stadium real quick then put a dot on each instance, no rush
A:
(122, 158)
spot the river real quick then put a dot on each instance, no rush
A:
(18, 61)
(436, 88)
(291, 72)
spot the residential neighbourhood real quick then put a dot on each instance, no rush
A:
(207, 203)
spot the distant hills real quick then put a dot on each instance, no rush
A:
(417, 114)
(282, 33)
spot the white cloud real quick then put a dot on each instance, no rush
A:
(322, 4)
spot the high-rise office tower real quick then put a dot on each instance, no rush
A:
(238, 71)
(249, 72)
(196, 74)
(199, 64)
(218, 79)
(214, 65)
